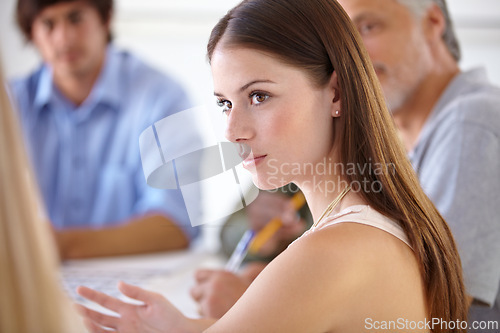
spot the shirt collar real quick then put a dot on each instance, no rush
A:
(106, 89)
(44, 89)
(460, 84)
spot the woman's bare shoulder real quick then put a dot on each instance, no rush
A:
(377, 274)
(351, 247)
(330, 280)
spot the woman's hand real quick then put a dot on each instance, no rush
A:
(268, 206)
(216, 291)
(156, 314)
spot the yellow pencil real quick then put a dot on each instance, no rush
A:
(298, 200)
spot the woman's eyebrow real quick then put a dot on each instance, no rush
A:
(246, 86)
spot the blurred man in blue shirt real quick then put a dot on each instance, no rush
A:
(82, 112)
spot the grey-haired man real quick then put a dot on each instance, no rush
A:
(449, 122)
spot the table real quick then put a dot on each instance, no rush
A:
(170, 274)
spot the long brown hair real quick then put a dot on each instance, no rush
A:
(318, 36)
(31, 296)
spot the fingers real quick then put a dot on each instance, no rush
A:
(98, 318)
(100, 298)
(289, 215)
(264, 208)
(196, 292)
(137, 293)
(203, 278)
(293, 230)
(289, 218)
(94, 328)
(204, 297)
(217, 294)
(212, 281)
(202, 275)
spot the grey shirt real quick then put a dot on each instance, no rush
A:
(457, 160)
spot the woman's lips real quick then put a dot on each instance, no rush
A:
(253, 161)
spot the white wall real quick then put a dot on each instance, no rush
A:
(478, 28)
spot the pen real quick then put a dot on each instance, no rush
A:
(240, 251)
(298, 200)
(253, 243)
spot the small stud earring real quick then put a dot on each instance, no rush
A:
(337, 112)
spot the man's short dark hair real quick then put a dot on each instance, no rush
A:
(28, 10)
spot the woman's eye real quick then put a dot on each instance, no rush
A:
(258, 98)
(225, 105)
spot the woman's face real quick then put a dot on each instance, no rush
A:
(275, 109)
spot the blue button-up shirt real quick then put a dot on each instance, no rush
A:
(86, 157)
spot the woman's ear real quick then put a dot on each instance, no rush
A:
(336, 107)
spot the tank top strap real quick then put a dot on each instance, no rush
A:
(363, 214)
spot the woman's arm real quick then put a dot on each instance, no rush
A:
(299, 291)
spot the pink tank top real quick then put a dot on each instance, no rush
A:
(362, 214)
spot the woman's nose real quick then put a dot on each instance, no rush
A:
(239, 126)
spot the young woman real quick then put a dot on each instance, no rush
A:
(298, 88)
(31, 296)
